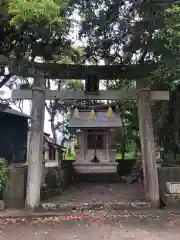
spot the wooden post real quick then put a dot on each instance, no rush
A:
(148, 147)
(35, 156)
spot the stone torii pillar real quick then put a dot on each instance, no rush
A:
(35, 155)
(151, 184)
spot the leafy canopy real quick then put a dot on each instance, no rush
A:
(36, 11)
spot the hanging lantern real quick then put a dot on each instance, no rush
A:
(110, 112)
(92, 115)
(76, 113)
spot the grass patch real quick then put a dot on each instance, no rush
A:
(70, 156)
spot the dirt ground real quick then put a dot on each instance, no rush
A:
(96, 193)
(94, 226)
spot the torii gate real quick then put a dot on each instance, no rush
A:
(39, 94)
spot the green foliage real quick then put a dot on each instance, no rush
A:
(167, 41)
(34, 28)
(115, 32)
(33, 11)
(75, 84)
(137, 32)
(70, 156)
(3, 173)
(128, 156)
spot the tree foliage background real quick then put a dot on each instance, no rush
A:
(111, 32)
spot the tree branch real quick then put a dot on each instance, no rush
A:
(5, 80)
(141, 61)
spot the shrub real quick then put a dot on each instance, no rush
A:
(3, 173)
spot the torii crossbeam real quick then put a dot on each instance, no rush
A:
(81, 95)
(26, 68)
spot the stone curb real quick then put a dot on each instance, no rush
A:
(29, 214)
(34, 214)
(94, 206)
(50, 209)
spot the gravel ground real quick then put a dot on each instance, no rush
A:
(94, 226)
(89, 192)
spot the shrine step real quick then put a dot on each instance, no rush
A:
(124, 205)
(97, 177)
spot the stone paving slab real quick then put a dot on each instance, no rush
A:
(93, 206)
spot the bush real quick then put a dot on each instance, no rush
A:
(3, 173)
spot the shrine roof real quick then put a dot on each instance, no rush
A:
(14, 112)
(102, 121)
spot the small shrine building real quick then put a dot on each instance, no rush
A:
(95, 130)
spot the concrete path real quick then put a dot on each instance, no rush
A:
(94, 226)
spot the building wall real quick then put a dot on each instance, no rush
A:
(13, 135)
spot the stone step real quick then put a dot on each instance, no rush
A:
(98, 178)
(94, 206)
(106, 178)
